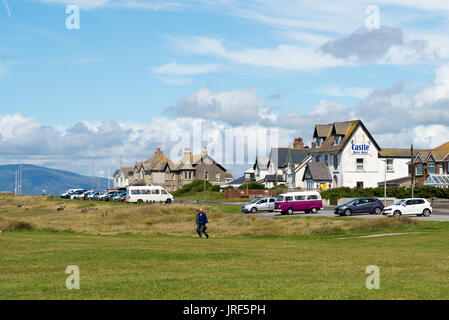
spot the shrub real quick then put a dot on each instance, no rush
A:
(393, 192)
(195, 186)
(253, 185)
(19, 226)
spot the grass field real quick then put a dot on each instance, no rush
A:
(121, 255)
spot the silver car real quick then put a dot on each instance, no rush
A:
(261, 204)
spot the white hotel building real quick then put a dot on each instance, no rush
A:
(353, 158)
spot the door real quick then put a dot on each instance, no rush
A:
(410, 207)
(357, 206)
(262, 204)
(271, 204)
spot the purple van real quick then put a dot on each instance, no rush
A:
(309, 202)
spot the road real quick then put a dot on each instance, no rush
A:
(437, 215)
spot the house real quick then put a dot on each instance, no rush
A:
(353, 156)
(161, 171)
(260, 168)
(122, 177)
(432, 166)
(317, 176)
(293, 173)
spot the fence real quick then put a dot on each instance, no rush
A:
(440, 203)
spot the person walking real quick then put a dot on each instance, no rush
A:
(201, 223)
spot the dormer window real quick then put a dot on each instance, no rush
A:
(337, 140)
(318, 141)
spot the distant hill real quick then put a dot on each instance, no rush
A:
(35, 179)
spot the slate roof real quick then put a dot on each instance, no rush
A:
(318, 171)
(344, 129)
(298, 155)
(272, 178)
(261, 162)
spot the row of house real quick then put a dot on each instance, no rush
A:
(172, 175)
(345, 154)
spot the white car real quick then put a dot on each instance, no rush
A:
(419, 207)
(261, 204)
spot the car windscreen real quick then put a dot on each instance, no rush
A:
(280, 198)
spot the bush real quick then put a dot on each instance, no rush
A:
(252, 185)
(195, 186)
(393, 192)
(19, 226)
(215, 188)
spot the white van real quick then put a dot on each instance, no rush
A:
(151, 194)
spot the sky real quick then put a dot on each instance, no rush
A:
(135, 75)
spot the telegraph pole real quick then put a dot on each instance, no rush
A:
(413, 171)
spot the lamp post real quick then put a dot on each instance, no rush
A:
(385, 182)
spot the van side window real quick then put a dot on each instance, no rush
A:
(145, 191)
(288, 198)
(155, 191)
(300, 198)
(312, 197)
(135, 192)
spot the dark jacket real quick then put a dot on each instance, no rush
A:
(201, 218)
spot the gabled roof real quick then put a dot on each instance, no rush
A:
(444, 148)
(297, 156)
(272, 178)
(317, 171)
(322, 130)
(261, 162)
(346, 130)
(279, 156)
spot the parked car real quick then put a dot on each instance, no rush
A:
(76, 193)
(288, 203)
(261, 204)
(69, 192)
(148, 194)
(92, 194)
(360, 205)
(107, 195)
(118, 197)
(419, 207)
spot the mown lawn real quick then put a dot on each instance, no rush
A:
(412, 266)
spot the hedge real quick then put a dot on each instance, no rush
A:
(393, 192)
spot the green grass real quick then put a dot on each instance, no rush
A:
(413, 266)
(210, 196)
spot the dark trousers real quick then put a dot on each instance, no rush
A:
(201, 228)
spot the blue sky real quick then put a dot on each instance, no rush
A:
(138, 64)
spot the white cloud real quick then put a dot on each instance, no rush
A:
(338, 91)
(289, 57)
(176, 69)
(235, 107)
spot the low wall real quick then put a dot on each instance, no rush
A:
(390, 201)
(439, 203)
(241, 193)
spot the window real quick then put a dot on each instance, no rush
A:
(217, 176)
(326, 159)
(337, 140)
(263, 201)
(318, 142)
(390, 167)
(145, 191)
(288, 198)
(317, 159)
(133, 192)
(360, 184)
(272, 200)
(136, 176)
(312, 197)
(360, 164)
(155, 191)
(419, 170)
(336, 161)
(185, 175)
(441, 168)
(163, 192)
(410, 202)
(207, 175)
(143, 175)
(419, 201)
(299, 198)
(309, 184)
(190, 174)
(431, 168)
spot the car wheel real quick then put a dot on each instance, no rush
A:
(253, 210)
(377, 210)
(397, 213)
(290, 211)
(426, 212)
(314, 210)
(140, 201)
(348, 212)
(168, 201)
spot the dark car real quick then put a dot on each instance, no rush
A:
(360, 205)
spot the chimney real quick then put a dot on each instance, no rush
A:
(204, 150)
(298, 143)
(187, 152)
(158, 152)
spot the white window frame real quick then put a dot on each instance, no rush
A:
(357, 164)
